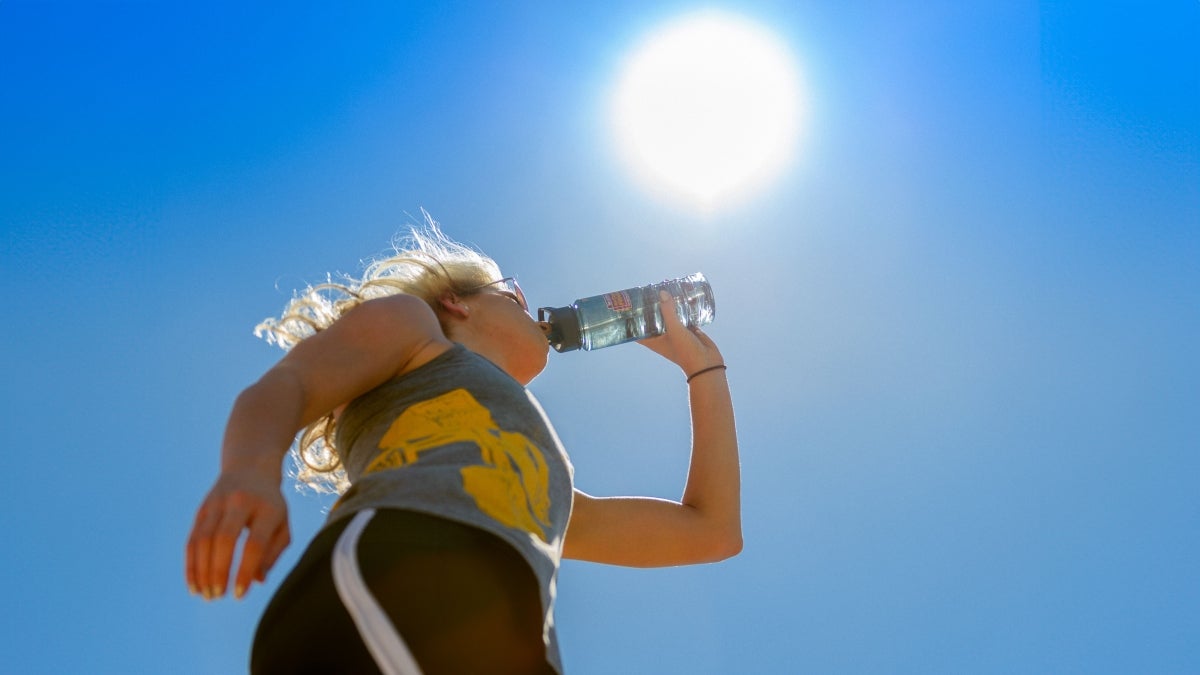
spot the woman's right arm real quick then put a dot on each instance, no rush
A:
(372, 343)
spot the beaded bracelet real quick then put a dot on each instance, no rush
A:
(703, 371)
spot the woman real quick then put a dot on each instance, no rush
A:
(456, 502)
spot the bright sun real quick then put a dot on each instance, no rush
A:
(708, 108)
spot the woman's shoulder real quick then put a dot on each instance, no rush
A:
(394, 305)
(407, 319)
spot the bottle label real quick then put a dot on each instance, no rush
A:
(618, 302)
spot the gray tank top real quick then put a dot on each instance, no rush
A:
(461, 439)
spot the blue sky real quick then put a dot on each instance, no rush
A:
(961, 328)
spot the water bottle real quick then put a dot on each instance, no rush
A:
(632, 314)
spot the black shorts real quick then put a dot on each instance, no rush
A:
(399, 592)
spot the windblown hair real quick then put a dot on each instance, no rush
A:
(425, 263)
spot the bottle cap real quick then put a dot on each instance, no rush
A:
(561, 325)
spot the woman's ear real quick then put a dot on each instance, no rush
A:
(453, 305)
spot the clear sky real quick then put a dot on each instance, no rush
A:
(961, 327)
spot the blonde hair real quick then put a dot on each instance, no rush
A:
(425, 263)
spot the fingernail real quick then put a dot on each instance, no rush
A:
(239, 591)
(192, 589)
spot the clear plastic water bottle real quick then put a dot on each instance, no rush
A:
(632, 314)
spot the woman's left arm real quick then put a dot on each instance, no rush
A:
(706, 525)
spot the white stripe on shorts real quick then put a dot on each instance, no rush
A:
(378, 633)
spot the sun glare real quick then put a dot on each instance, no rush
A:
(707, 109)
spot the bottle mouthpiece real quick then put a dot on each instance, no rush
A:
(561, 326)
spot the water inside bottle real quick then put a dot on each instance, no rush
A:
(622, 316)
(611, 319)
(635, 314)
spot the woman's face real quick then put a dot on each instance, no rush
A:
(504, 318)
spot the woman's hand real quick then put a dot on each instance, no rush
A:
(240, 500)
(691, 350)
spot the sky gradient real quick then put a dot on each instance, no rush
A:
(961, 327)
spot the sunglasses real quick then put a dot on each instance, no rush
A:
(508, 287)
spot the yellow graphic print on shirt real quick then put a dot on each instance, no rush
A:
(512, 482)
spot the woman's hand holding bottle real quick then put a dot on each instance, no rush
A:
(690, 349)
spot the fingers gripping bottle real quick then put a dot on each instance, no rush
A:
(632, 314)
